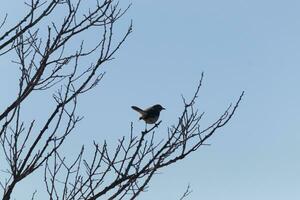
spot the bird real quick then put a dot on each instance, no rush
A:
(149, 115)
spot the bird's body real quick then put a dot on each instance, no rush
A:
(149, 115)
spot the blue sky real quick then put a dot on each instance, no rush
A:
(240, 45)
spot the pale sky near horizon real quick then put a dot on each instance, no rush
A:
(240, 45)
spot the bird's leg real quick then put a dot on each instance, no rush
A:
(145, 127)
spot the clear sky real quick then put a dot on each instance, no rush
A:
(240, 45)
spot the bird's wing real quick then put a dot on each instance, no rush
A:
(142, 112)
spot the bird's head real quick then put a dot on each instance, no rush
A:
(158, 107)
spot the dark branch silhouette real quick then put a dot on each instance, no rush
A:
(126, 172)
(46, 59)
(47, 62)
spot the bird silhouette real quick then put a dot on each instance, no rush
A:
(149, 115)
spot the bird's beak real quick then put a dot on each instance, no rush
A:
(163, 108)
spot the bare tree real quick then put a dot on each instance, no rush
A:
(44, 51)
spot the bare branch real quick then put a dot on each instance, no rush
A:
(52, 58)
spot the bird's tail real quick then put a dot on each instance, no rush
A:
(142, 112)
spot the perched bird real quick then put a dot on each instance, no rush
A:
(149, 115)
